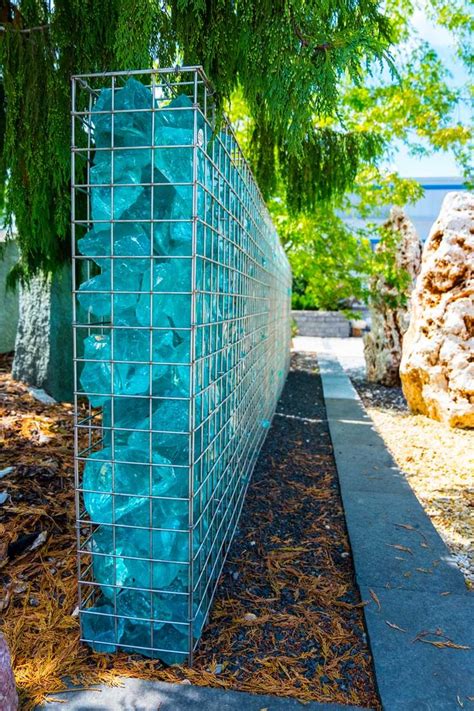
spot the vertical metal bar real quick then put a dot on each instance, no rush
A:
(192, 373)
(112, 343)
(152, 279)
(74, 333)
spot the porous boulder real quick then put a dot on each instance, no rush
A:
(437, 368)
(8, 695)
(389, 316)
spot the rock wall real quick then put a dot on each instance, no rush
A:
(437, 368)
(8, 299)
(43, 347)
(383, 345)
(325, 324)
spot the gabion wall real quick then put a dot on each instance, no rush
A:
(182, 333)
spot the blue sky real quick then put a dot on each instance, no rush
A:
(440, 164)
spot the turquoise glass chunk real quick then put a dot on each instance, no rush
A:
(102, 479)
(132, 128)
(99, 626)
(170, 307)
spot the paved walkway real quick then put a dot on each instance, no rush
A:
(402, 566)
(140, 695)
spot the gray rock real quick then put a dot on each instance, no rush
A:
(8, 299)
(43, 347)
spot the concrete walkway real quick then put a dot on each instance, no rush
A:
(402, 566)
(140, 695)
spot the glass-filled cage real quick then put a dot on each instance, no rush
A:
(181, 348)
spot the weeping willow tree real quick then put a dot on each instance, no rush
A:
(287, 57)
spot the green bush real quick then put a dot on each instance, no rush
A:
(330, 263)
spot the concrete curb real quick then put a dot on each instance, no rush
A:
(401, 562)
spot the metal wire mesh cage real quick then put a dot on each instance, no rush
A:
(182, 332)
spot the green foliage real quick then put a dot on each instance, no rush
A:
(458, 17)
(420, 108)
(288, 58)
(383, 268)
(330, 264)
(40, 49)
(336, 156)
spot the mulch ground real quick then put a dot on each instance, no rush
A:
(287, 617)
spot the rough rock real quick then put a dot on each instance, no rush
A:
(383, 345)
(8, 695)
(43, 346)
(437, 368)
(8, 299)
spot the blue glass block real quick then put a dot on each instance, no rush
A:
(131, 565)
(96, 376)
(171, 380)
(99, 625)
(171, 346)
(126, 169)
(132, 240)
(102, 479)
(169, 415)
(94, 295)
(174, 205)
(132, 128)
(169, 309)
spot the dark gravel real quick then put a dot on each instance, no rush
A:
(380, 396)
(287, 617)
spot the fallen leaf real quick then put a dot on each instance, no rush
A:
(448, 643)
(409, 527)
(375, 599)
(438, 643)
(42, 538)
(399, 547)
(394, 626)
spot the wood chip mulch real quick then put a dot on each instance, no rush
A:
(287, 617)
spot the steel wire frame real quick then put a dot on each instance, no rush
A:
(248, 363)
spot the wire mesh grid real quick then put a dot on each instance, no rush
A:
(181, 348)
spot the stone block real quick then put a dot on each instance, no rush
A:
(322, 324)
(8, 299)
(43, 347)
